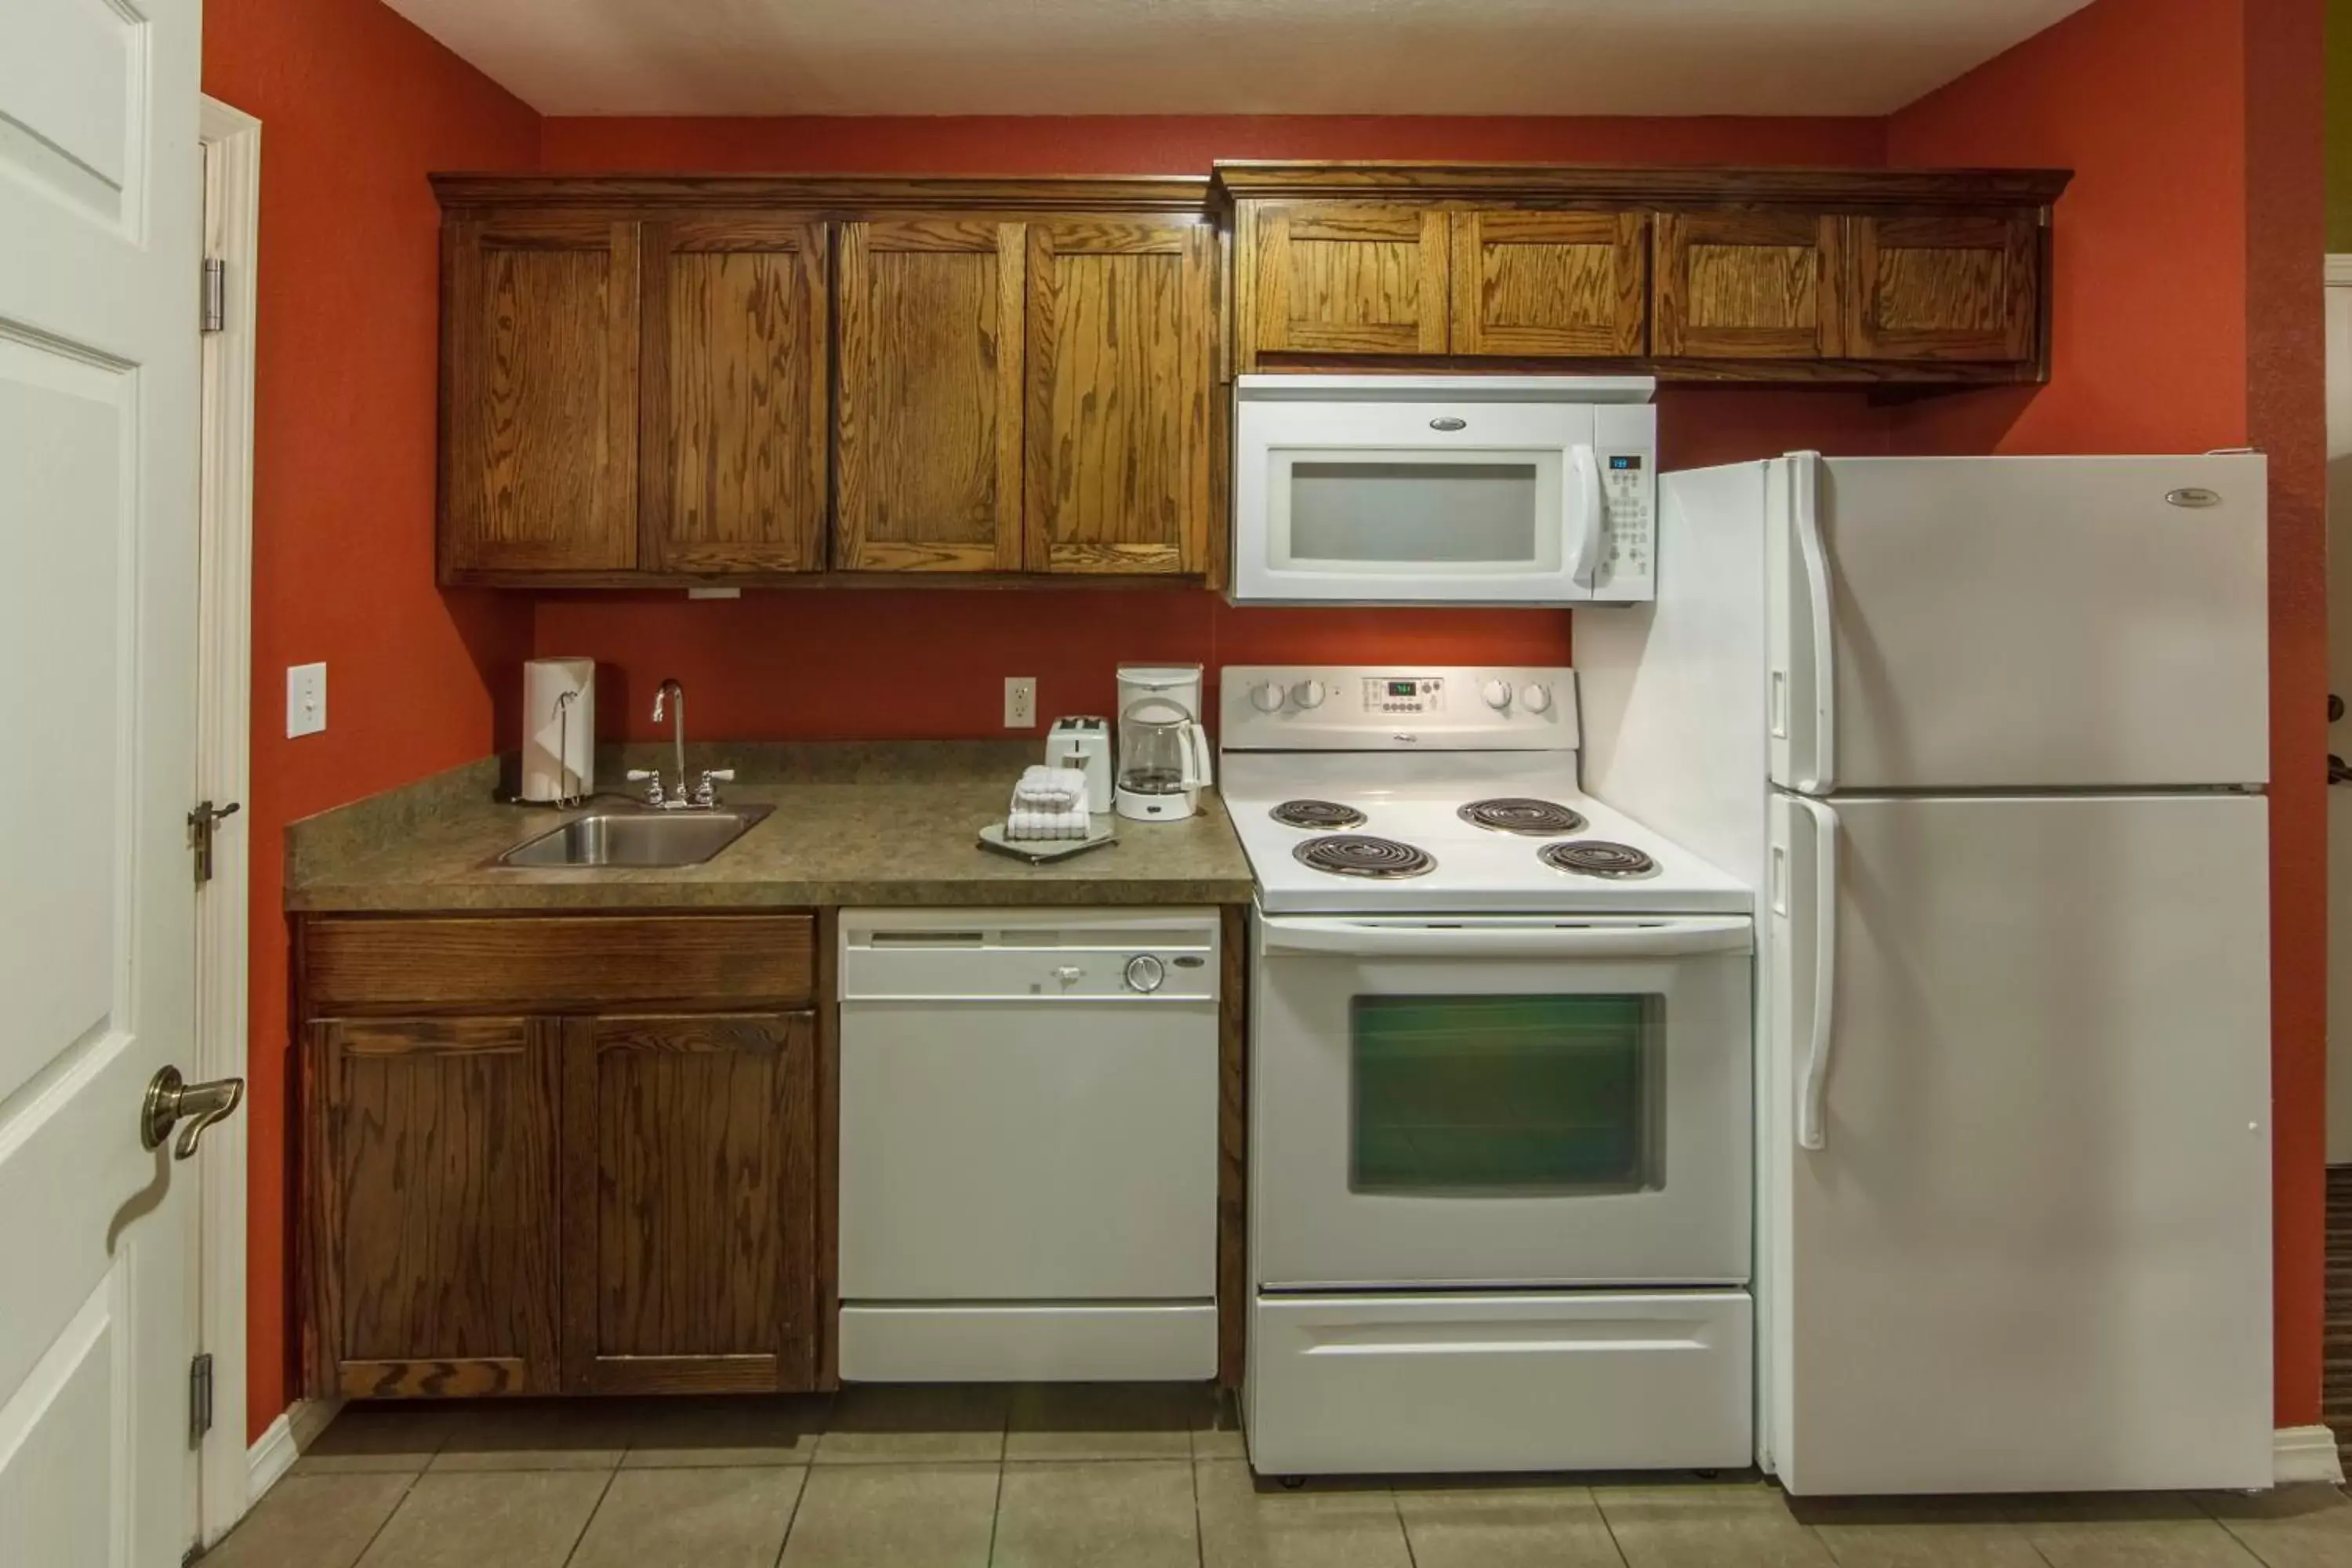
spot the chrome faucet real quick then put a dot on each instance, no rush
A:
(670, 698)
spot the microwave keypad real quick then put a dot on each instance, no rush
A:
(1626, 528)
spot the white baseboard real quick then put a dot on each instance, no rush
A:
(2301, 1454)
(274, 1452)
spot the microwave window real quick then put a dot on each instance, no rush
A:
(1405, 513)
(1487, 1096)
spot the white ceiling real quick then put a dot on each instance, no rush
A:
(1227, 57)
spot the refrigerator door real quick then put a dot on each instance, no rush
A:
(2017, 623)
(2031, 1250)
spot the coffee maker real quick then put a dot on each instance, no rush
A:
(1163, 752)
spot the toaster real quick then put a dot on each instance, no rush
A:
(1083, 743)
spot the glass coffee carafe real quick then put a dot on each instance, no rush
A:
(1162, 759)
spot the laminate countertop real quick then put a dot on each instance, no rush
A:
(855, 824)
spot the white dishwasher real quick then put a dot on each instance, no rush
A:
(1028, 1145)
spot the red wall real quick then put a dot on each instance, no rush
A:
(931, 662)
(2188, 317)
(356, 106)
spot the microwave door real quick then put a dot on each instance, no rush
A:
(1392, 503)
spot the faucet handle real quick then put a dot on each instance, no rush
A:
(651, 779)
(707, 791)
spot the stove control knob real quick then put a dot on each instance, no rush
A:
(1144, 973)
(1536, 699)
(1498, 694)
(1308, 694)
(1265, 697)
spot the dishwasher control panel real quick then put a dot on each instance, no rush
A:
(982, 956)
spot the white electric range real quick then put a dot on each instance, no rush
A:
(1500, 1090)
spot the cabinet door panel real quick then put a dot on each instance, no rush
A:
(929, 421)
(1120, 336)
(1350, 277)
(735, 422)
(433, 1199)
(1958, 287)
(538, 409)
(1558, 283)
(1749, 286)
(689, 1207)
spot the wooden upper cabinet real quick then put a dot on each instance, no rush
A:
(1748, 285)
(539, 401)
(1349, 277)
(734, 415)
(928, 418)
(1550, 283)
(689, 1203)
(1957, 287)
(1121, 336)
(431, 1159)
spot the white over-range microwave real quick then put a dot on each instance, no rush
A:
(1445, 489)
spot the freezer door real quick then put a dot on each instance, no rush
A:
(2020, 623)
(2031, 1250)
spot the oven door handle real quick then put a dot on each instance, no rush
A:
(1563, 939)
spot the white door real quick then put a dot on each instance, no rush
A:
(1501, 1101)
(2032, 1251)
(2020, 623)
(99, 195)
(2339, 742)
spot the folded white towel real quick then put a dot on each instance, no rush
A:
(1050, 789)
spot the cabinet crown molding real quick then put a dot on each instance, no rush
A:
(1642, 183)
(830, 194)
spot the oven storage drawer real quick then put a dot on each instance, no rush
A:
(1501, 1381)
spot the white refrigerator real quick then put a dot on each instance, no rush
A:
(1989, 737)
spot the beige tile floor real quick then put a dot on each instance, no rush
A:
(1116, 1478)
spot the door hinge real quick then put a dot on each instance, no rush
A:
(202, 823)
(215, 294)
(200, 1397)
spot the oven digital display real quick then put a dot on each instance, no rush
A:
(1403, 688)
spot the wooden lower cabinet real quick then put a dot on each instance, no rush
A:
(432, 1162)
(689, 1203)
(591, 1191)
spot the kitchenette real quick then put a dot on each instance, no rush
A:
(1790, 1011)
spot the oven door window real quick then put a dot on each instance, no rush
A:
(1372, 511)
(1487, 1096)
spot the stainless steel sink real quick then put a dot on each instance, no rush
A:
(637, 837)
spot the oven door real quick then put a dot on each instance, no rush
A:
(1416, 502)
(1500, 1101)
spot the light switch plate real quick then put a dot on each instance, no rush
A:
(1020, 701)
(306, 700)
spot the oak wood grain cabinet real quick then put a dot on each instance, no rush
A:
(927, 422)
(1924, 276)
(549, 1154)
(539, 402)
(1750, 285)
(1961, 286)
(734, 415)
(1120, 345)
(1348, 277)
(1571, 284)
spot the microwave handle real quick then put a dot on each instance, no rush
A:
(1585, 470)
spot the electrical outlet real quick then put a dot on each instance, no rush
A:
(306, 700)
(1020, 701)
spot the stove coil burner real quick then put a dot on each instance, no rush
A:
(1359, 854)
(1597, 857)
(1516, 814)
(1317, 814)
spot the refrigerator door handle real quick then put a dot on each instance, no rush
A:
(1813, 1081)
(1805, 471)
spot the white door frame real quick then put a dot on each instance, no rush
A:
(2339, 337)
(232, 151)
